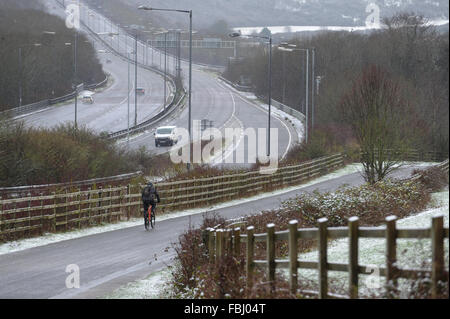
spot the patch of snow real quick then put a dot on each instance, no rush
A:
(151, 287)
(294, 28)
(371, 253)
(50, 238)
(412, 253)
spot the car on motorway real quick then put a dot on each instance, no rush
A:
(166, 135)
(87, 99)
(140, 90)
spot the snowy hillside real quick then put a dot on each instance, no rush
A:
(297, 12)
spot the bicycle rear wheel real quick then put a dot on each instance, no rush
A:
(152, 219)
(146, 218)
(146, 223)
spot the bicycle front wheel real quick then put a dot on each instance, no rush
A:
(152, 220)
(146, 223)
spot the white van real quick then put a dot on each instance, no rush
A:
(88, 99)
(166, 135)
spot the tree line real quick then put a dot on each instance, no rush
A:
(407, 53)
(37, 56)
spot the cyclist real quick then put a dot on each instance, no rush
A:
(150, 196)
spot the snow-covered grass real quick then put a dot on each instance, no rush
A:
(151, 287)
(50, 238)
(412, 253)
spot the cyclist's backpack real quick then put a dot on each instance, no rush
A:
(149, 193)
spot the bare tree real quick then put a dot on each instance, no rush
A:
(377, 113)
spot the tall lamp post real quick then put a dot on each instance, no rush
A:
(190, 63)
(292, 48)
(20, 68)
(75, 51)
(128, 98)
(135, 75)
(165, 70)
(235, 35)
(313, 82)
(165, 64)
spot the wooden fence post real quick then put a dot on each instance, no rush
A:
(224, 241)
(237, 242)
(128, 201)
(229, 242)
(54, 211)
(353, 271)
(42, 215)
(211, 242)
(110, 204)
(293, 248)
(120, 203)
(29, 213)
(323, 260)
(2, 208)
(219, 243)
(391, 254)
(250, 254)
(67, 209)
(79, 207)
(270, 242)
(437, 245)
(100, 204)
(90, 205)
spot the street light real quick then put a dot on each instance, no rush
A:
(20, 68)
(237, 34)
(190, 62)
(128, 97)
(135, 29)
(75, 79)
(165, 32)
(291, 48)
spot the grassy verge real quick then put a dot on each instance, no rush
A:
(194, 277)
(30, 156)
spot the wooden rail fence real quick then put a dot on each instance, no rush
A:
(413, 155)
(205, 191)
(222, 242)
(81, 207)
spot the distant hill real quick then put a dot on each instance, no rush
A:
(21, 4)
(248, 13)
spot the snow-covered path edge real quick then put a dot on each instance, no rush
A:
(371, 253)
(50, 238)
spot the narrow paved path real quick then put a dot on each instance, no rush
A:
(109, 260)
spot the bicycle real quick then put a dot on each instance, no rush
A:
(150, 216)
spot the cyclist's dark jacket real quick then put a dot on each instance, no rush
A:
(148, 202)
